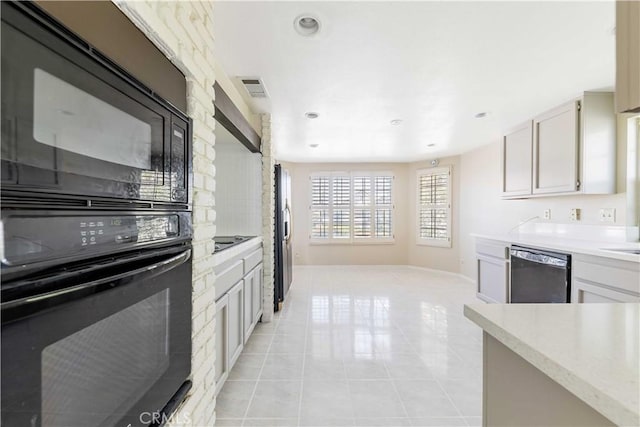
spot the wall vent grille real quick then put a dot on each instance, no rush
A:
(255, 87)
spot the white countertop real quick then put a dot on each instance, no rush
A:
(232, 252)
(589, 349)
(565, 244)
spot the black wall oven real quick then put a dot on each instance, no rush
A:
(95, 236)
(96, 316)
(75, 124)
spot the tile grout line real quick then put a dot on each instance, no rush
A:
(395, 389)
(304, 357)
(434, 378)
(255, 387)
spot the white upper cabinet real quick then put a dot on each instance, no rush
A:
(627, 56)
(555, 150)
(570, 149)
(517, 161)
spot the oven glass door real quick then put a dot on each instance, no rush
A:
(71, 126)
(108, 351)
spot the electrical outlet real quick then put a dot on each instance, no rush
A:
(574, 214)
(608, 215)
(547, 214)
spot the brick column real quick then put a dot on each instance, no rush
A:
(268, 216)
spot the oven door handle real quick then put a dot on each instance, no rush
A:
(49, 299)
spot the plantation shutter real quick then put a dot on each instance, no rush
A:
(320, 207)
(434, 205)
(349, 207)
(341, 207)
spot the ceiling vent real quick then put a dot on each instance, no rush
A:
(254, 86)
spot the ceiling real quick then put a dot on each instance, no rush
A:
(434, 65)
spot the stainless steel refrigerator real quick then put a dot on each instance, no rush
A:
(283, 250)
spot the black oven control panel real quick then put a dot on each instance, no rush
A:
(28, 238)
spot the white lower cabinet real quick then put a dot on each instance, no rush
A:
(493, 270)
(222, 342)
(597, 279)
(239, 296)
(249, 323)
(235, 329)
(585, 292)
(258, 293)
(253, 296)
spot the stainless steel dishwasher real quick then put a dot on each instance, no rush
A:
(539, 276)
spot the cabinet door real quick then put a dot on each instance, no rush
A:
(221, 365)
(585, 292)
(249, 323)
(627, 56)
(555, 150)
(517, 161)
(493, 279)
(235, 322)
(257, 293)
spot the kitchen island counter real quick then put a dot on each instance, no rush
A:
(590, 350)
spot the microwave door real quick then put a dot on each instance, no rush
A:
(76, 127)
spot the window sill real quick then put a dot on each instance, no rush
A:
(351, 242)
(434, 243)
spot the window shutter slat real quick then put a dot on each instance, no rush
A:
(341, 191)
(383, 190)
(383, 222)
(361, 190)
(320, 191)
(341, 224)
(319, 224)
(362, 223)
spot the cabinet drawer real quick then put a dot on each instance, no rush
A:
(494, 249)
(584, 292)
(251, 260)
(228, 277)
(622, 275)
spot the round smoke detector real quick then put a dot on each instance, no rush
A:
(307, 25)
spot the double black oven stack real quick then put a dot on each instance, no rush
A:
(95, 238)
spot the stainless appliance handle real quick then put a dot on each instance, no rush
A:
(153, 269)
(287, 224)
(538, 258)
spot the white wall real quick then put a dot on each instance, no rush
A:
(305, 252)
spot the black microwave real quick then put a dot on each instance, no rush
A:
(76, 126)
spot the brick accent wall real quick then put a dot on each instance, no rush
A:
(268, 218)
(183, 31)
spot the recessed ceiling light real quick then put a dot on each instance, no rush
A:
(311, 115)
(306, 25)
(481, 115)
(431, 145)
(314, 145)
(395, 122)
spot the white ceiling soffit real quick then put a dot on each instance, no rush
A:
(434, 65)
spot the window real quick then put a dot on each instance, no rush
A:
(351, 207)
(434, 206)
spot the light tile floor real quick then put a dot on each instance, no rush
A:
(361, 346)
